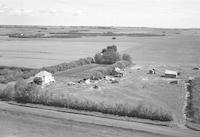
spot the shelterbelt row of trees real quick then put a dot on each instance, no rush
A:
(108, 55)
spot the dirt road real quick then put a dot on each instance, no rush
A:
(18, 121)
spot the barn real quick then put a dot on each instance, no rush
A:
(171, 74)
(46, 78)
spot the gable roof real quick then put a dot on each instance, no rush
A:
(43, 73)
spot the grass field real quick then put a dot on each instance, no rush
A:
(134, 88)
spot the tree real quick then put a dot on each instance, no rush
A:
(113, 47)
(110, 57)
(98, 58)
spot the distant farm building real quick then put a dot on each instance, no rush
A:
(44, 78)
(117, 72)
(171, 74)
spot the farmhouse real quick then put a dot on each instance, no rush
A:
(171, 74)
(45, 77)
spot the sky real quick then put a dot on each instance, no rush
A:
(136, 13)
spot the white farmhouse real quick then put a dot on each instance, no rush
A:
(46, 78)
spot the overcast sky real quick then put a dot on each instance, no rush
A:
(147, 13)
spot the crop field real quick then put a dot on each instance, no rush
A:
(35, 53)
(174, 46)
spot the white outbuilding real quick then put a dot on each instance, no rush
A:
(171, 74)
(46, 77)
(117, 72)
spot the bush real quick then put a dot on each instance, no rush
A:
(8, 92)
(70, 65)
(127, 57)
(69, 101)
(21, 92)
(98, 58)
(9, 74)
(96, 75)
(24, 91)
(193, 100)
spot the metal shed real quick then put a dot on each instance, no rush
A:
(171, 74)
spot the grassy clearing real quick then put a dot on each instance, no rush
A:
(193, 105)
(93, 71)
(32, 93)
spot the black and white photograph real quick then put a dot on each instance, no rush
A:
(99, 68)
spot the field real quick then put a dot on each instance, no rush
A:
(136, 87)
(176, 49)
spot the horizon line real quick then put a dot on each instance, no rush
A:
(27, 25)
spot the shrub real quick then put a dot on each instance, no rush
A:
(70, 65)
(69, 101)
(127, 57)
(96, 75)
(193, 100)
(13, 73)
(98, 58)
(24, 91)
(8, 92)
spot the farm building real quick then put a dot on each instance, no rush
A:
(171, 74)
(117, 72)
(45, 77)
